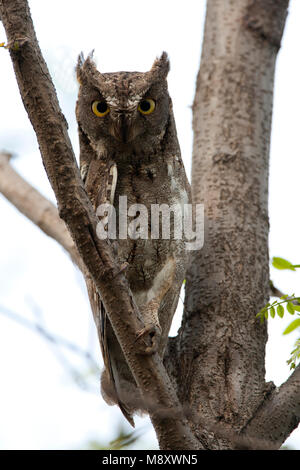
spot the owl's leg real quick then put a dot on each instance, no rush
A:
(152, 327)
(84, 171)
(123, 268)
(149, 302)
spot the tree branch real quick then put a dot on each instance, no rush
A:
(275, 292)
(40, 101)
(50, 337)
(35, 207)
(279, 413)
(221, 347)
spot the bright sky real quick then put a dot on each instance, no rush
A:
(40, 406)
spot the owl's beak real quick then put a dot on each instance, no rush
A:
(122, 128)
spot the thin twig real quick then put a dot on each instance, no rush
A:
(51, 337)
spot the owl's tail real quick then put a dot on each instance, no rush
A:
(109, 388)
(110, 382)
(126, 413)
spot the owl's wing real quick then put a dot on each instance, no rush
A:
(101, 182)
(103, 325)
(110, 364)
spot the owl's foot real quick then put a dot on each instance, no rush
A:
(84, 171)
(123, 268)
(154, 332)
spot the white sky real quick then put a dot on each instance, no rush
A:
(40, 406)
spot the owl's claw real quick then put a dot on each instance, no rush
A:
(154, 331)
(123, 268)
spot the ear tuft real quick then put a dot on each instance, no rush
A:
(161, 66)
(78, 68)
(84, 66)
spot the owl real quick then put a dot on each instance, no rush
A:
(129, 151)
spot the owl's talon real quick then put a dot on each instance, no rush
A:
(123, 268)
(84, 171)
(154, 332)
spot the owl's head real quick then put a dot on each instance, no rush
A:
(123, 106)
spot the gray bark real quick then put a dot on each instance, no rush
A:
(75, 208)
(221, 347)
(216, 362)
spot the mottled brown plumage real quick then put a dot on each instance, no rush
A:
(127, 152)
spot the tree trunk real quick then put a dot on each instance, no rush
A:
(221, 346)
(216, 363)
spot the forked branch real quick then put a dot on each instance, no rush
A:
(40, 101)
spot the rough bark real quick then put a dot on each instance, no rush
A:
(279, 413)
(41, 104)
(217, 359)
(221, 346)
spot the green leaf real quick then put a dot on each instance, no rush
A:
(280, 311)
(272, 312)
(283, 297)
(297, 307)
(261, 315)
(295, 354)
(290, 308)
(292, 326)
(266, 314)
(281, 263)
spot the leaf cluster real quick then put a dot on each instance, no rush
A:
(295, 355)
(290, 303)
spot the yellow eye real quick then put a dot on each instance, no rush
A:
(146, 106)
(100, 108)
